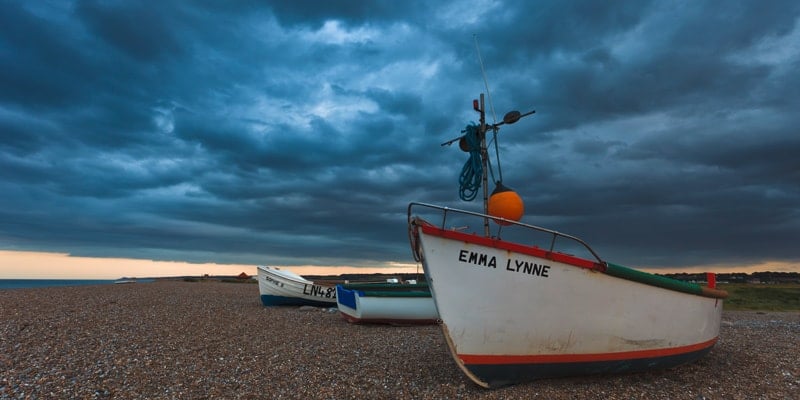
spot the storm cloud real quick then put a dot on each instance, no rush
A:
(665, 134)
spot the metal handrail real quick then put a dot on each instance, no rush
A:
(556, 234)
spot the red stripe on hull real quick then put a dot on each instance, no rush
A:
(497, 375)
(513, 247)
(389, 321)
(573, 358)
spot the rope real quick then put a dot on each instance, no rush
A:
(471, 174)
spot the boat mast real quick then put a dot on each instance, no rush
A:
(485, 164)
(508, 119)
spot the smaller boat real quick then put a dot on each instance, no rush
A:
(285, 288)
(387, 303)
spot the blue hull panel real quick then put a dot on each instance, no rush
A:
(346, 296)
(270, 300)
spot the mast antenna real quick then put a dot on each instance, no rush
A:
(478, 151)
(485, 81)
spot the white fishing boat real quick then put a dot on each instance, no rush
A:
(280, 287)
(386, 303)
(526, 302)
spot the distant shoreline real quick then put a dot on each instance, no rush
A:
(727, 277)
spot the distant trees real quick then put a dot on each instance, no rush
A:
(740, 277)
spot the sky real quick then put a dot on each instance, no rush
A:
(240, 133)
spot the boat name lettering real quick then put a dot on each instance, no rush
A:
(477, 258)
(319, 291)
(513, 265)
(528, 268)
(271, 280)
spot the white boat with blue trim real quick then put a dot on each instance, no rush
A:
(280, 287)
(386, 303)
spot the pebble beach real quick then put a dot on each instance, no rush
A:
(209, 339)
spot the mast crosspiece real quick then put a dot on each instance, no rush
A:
(508, 119)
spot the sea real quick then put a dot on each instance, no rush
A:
(41, 283)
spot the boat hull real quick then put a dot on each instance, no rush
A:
(513, 313)
(396, 304)
(510, 372)
(283, 288)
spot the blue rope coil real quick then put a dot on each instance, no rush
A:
(471, 174)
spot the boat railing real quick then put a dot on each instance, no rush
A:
(615, 270)
(447, 210)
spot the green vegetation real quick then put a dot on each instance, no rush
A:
(764, 297)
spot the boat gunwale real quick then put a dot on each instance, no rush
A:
(386, 286)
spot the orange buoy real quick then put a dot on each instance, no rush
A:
(505, 203)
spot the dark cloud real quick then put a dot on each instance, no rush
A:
(297, 133)
(135, 30)
(352, 12)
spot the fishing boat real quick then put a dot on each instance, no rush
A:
(386, 303)
(520, 302)
(280, 287)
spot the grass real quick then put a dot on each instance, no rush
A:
(764, 297)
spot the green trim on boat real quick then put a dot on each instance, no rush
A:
(661, 281)
(382, 293)
(386, 286)
(390, 289)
